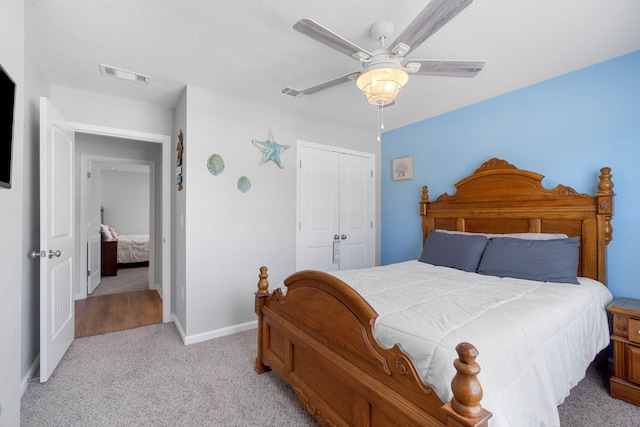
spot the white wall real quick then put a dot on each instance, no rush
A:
(125, 199)
(109, 111)
(230, 234)
(178, 235)
(12, 250)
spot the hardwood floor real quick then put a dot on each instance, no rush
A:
(116, 312)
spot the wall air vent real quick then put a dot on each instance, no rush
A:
(118, 73)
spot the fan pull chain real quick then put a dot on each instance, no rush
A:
(378, 122)
(380, 119)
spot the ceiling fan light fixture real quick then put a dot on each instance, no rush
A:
(382, 85)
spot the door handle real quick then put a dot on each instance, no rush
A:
(56, 253)
(38, 254)
(343, 237)
(336, 237)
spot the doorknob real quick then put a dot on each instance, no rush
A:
(343, 237)
(336, 237)
(56, 253)
(37, 254)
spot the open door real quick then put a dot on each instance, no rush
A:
(56, 237)
(94, 240)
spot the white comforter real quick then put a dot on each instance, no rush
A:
(535, 339)
(133, 248)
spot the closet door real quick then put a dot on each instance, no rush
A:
(356, 212)
(318, 209)
(335, 215)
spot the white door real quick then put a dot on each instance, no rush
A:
(94, 240)
(56, 237)
(335, 214)
(318, 209)
(357, 205)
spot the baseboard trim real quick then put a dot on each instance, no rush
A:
(29, 375)
(179, 327)
(205, 336)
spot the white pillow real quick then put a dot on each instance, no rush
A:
(106, 234)
(525, 236)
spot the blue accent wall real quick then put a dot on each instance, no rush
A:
(566, 128)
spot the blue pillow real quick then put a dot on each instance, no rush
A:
(461, 251)
(542, 260)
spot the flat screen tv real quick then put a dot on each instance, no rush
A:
(7, 101)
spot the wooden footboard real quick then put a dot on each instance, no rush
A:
(318, 338)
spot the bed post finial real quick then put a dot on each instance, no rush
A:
(605, 186)
(464, 408)
(263, 283)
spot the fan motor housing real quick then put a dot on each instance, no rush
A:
(381, 29)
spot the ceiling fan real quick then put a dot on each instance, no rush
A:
(385, 70)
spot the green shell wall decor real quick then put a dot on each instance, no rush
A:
(215, 164)
(244, 184)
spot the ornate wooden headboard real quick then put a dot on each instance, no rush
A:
(500, 198)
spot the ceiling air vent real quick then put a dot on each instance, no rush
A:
(118, 73)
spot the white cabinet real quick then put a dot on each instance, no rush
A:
(335, 209)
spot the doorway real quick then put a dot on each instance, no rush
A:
(119, 198)
(160, 203)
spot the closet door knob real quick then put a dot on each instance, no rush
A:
(343, 237)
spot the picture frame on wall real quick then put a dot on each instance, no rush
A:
(402, 168)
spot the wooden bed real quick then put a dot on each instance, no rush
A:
(318, 337)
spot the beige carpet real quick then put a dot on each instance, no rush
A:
(148, 377)
(127, 280)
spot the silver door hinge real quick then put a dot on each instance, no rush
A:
(88, 273)
(88, 174)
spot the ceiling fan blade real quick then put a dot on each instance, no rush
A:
(431, 19)
(311, 28)
(322, 86)
(445, 68)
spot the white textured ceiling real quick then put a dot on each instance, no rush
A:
(249, 48)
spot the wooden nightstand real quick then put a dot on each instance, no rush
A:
(625, 381)
(109, 261)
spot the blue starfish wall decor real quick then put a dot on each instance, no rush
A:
(270, 150)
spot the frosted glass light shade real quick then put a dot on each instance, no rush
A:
(381, 85)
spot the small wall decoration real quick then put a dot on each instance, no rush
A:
(402, 168)
(244, 184)
(215, 164)
(179, 150)
(270, 150)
